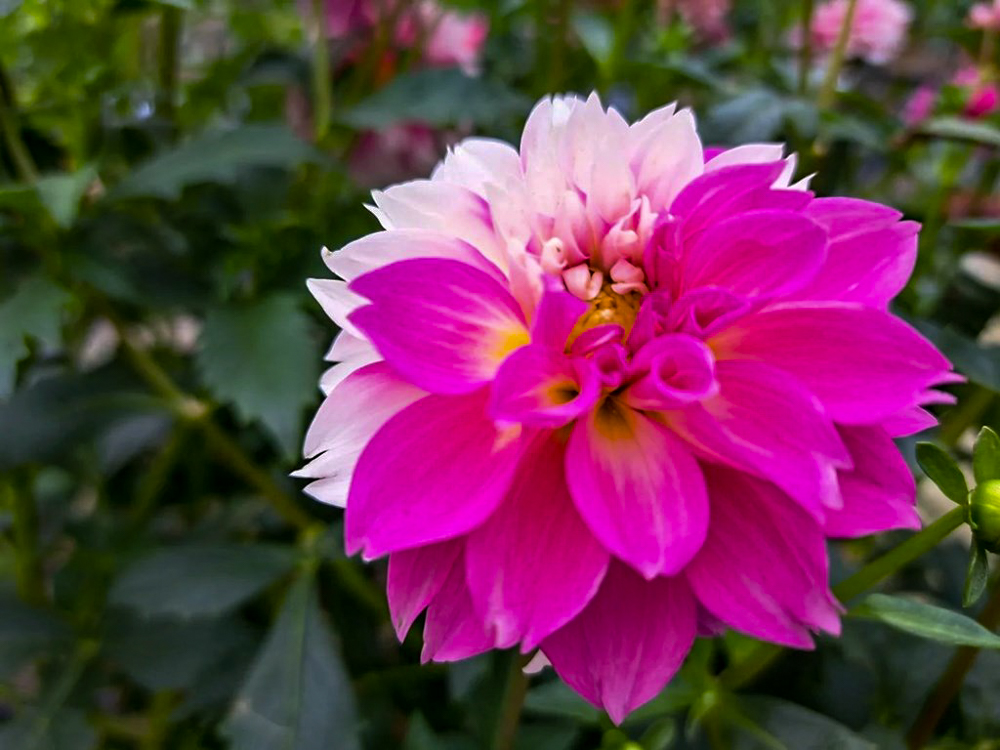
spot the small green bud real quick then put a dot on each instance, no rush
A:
(984, 514)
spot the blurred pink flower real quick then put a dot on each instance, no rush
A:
(878, 31)
(982, 97)
(985, 16)
(380, 157)
(456, 39)
(708, 18)
(345, 17)
(606, 392)
(920, 105)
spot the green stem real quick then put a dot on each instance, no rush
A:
(30, 578)
(171, 20)
(624, 23)
(510, 713)
(11, 131)
(322, 82)
(60, 693)
(966, 414)
(951, 681)
(828, 91)
(806, 51)
(871, 574)
(560, 31)
(158, 728)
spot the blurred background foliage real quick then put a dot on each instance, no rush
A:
(169, 170)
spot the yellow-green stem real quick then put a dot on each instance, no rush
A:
(10, 129)
(828, 91)
(19, 497)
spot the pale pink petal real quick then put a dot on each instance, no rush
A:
(453, 630)
(534, 564)
(434, 471)
(862, 363)
(622, 650)
(444, 325)
(638, 488)
(667, 159)
(763, 568)
(542, 387)
(477, 162)
(879, 492)
(337, 374)
(415, 577)
(337, 301)
(757, 253)
(349, 346)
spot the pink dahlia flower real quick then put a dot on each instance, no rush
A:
(878, 31)
(597, 391)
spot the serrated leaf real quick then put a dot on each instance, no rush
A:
(260, 357)
(298, 695)
(978, 575)
(217, 157)
(794, 727)
(27, 633)
(441, 96)
(169, 654)
(200, 581)
(941, 469)
(961, 129)
(33, 311)
(986, 456)
(926, 621)
(35, 729)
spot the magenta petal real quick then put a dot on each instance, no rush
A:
(638, 488)
(415, 577)
(628, 642)
(670, 372)
(555, 318)
(763, 568)
(443, 325)
(862, 363)
(534, 564)
(453, 630)
(757, 253)
(434, 471)
(879, 492)
(764, 421)
(543, 388)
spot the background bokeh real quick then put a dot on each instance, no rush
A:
(170, 169)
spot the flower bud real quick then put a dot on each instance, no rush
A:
(984, 513)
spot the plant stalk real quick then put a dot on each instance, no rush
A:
(514, 693)
(30, 578)
(321, 79)
(828, 91)
(10, 129)
(806, 51)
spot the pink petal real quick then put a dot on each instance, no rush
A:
(476, 162)
(543, 388)
(879, 492)
(444, 325)
(673, 371)
(622, 650)
(667, 158)
(435, 471)
(453, 630)
(764, 421)
(380, 249)
(871, 253)
(555, 318)
(337, 301)
(763, 568)
(638, 488)
(757, 253)
(534, 564)
(862, 363)
(415, 577)
(908, 422)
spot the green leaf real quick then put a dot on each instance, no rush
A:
(217, 157)
(960, 129)
(792, 726)
(65, 729)
(986, 456)
(27, 633)
(169, 654)
(442, 96)
(200, 581)
(558, 700)
(978, 575)
(978, 224)
(262, 359)
(34, 311)
(298, 695)
(61, 194)
(926, 621)
(941, 469)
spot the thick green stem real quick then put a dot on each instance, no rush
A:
(828, 91)
(513, 701)
(322, 82)
(805, 51)
(951, 681)
(30, 578)
(870, 575)
(10, 129)
(171, 20)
